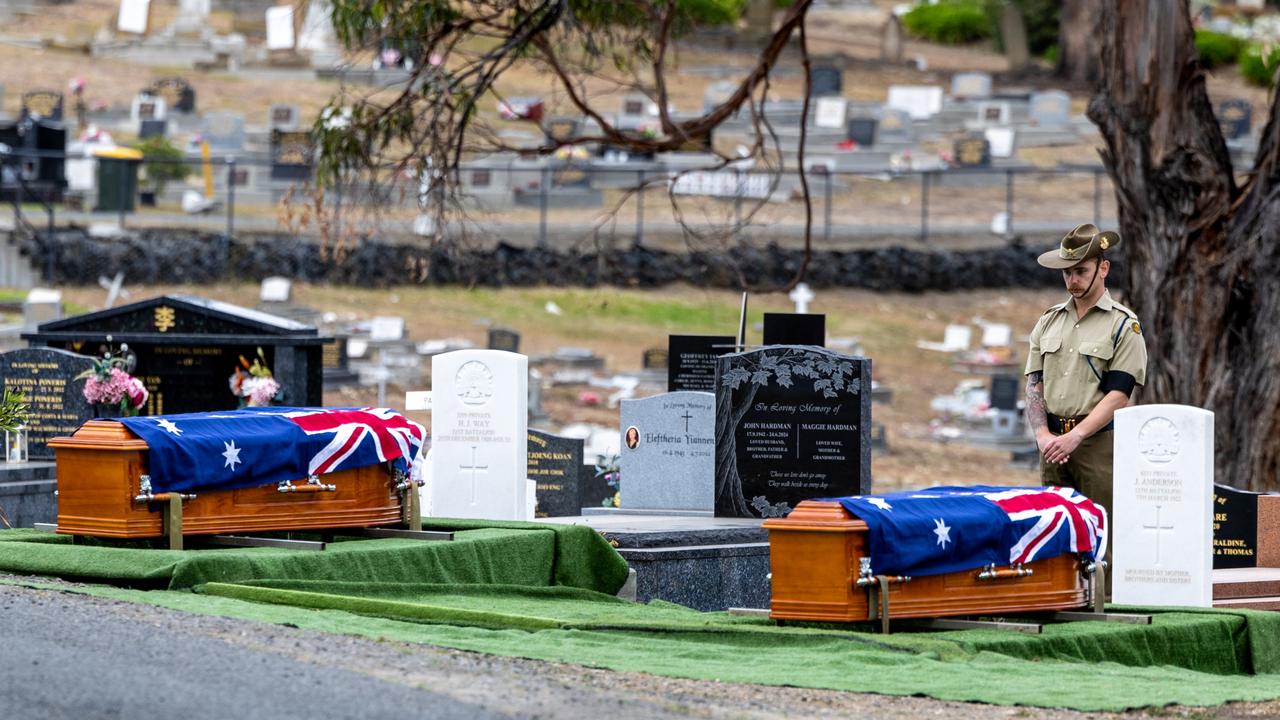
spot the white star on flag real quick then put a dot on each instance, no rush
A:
(880, 503)
(232, 455)
(169, 425)
(943, 532)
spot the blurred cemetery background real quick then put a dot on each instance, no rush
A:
(126, 125)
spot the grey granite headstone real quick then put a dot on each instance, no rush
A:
(555, 464)
(895, 126)
(668, 452)
(224, 131)
(971, 85)
(793, 423)
(46, 377)
(1050, 109)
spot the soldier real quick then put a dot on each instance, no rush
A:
(1087, 357)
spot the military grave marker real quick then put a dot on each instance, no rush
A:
(1162, 514)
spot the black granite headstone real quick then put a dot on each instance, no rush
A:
(972, 152)
(795, 329)
(862, 131)
(826, 80)
(1235, 528)
(594, 488)
(46, 377)
(187, 347)
(1004, 392)
(691, 360)
(152, 128)
(1236, 118)
(555, 464)
(291, 155)
(177, 93)
(42, 105)
(655, 359)
(504, 339)
(335, 362)
(792, 423)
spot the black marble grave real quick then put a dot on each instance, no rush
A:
(292, 154)
(826, 80)
(177, 93)
(1236, 118)
(972, 152)
(691, 360)
(501, 338)
(795, 329)
(47, 378)
(1004, 392)
(555, 464)
(1235, 528)
(187, 347)
(335, 363)
(42, 105)
(792, 423)
(655, 359)
(862, 131)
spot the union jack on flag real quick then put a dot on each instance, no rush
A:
(265, 446)
(948, 529)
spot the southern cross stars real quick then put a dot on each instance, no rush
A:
(169, 425)
(880, 503)
(232, 454)
(943, 532)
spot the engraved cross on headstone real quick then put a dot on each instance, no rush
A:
(474, 468)
(1156, 529)
(686, 417)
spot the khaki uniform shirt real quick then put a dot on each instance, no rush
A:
(1075, 354)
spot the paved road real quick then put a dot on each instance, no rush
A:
(62, 660)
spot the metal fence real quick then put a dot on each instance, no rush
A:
(553, 204)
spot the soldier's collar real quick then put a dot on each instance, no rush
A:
(1105, 303)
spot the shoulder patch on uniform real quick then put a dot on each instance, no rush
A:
(1137, 329)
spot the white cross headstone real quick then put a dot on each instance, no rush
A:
(1162, 518)
(801, 295)
(478, 463)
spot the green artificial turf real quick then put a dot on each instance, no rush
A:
(569, 625)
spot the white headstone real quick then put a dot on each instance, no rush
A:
(275, 289)
(192, 15)
(146, 106)
(386, 329)
(133, 16)
(480, 444)
(830, 112)
(317, 32)
(1002, 141)
(919, 101)
(997, 335)
(280, 27)
(1162, 519)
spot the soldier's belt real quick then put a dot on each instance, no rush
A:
(1060, 425)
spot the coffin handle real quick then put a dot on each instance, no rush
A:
(313, 486)
(1016, 570)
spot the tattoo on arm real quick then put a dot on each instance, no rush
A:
(1036, 414)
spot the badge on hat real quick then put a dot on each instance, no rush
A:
(1083, 242)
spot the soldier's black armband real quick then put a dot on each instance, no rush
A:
(1118, 380)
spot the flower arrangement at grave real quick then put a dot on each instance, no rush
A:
(608, 467)
(13, 410)
(253, 383)
(112, 390)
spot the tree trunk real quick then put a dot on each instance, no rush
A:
(1203, 257)
(729, 493)
(1078, 41)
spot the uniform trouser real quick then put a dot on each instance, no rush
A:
(1088, 471)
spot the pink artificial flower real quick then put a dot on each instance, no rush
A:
(137, 393)
(260, 391)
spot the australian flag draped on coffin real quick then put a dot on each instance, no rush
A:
(263, 446)
(949, 529)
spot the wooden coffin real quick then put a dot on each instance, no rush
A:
(100, 469)
(815, 553)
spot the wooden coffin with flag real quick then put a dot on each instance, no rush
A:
(821, 570)
(106, 488)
